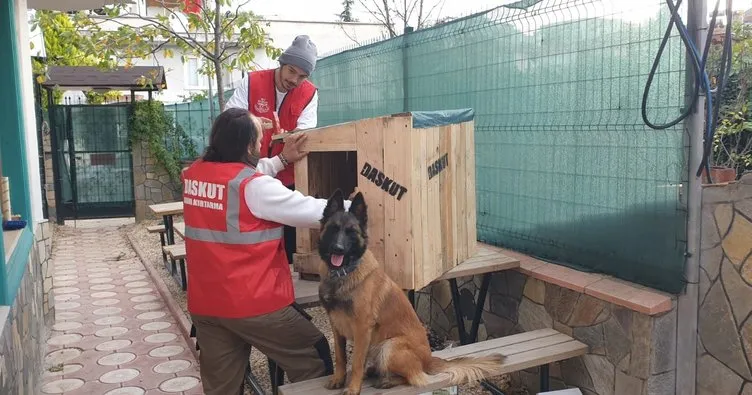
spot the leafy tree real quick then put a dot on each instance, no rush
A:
(732, 145)
(346, 15)
(217, 31)
(64, 46)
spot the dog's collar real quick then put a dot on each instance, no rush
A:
(344, 270)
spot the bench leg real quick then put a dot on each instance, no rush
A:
(183, 277)
(162, 242)
(491, 388)
(472, 337)
(544, 378)
(250, 380)
(276, 376)
(459, 317)
(169, 231)
(168, 265)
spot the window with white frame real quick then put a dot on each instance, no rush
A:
(193, 78)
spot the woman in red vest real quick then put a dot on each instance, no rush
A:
(240, 291)
(287, 91)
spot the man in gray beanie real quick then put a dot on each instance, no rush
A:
(286, 91)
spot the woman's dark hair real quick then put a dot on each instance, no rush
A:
(232, 133)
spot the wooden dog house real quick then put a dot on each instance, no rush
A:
(417, 174)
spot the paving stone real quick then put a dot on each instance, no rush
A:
(174, 366)
(111, 334)
(115, 359)
(739, 292)
(179, 384)
(719, 333)
(119, 376)
(716, 378)
(61, 386)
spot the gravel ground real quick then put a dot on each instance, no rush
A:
(149, 244)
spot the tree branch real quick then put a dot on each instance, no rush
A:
(231, 22)
(382, 16)
(188, 40)
(342, 26)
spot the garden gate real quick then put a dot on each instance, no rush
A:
(92, 152)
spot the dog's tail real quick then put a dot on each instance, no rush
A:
(466, 369)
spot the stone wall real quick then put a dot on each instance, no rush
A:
(152, 184)
(630, 353)
(49, 175)
(25, 324)
(725, 323)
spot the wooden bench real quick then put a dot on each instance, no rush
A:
(177, 254)
(523, 351)
(179, 229)
(167, 211)
(162, 240)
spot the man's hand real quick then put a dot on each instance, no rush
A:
(293, 150)
(352, 195)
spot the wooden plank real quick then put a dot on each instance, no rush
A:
(340, 137)
(306, 292)
(433, 259)
(419, 208)
(472, 268)
(171, 208)
(370, 147)
(522, 351)
(462, 210)
(155, 229)
(468, 130)
(398, 238)
(480, 347)
(302, 235)
(513, 363)
(175, 251)
(448, 207)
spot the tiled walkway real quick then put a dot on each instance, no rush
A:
(113, 335)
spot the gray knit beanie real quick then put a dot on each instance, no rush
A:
(302, 53)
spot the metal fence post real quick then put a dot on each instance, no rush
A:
(687, 309)
(405, 70)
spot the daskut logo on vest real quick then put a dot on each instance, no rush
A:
(195, 191)
(262, 106)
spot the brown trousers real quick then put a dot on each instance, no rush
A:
(285, 336)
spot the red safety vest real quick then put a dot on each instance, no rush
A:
(237, 265)
(262, 101)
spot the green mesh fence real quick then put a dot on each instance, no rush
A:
(566, 169)
(195, 119)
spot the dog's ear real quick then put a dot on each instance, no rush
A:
(336, 203)
(359, 209)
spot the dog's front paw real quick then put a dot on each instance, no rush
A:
(335, 383)
(351, 391)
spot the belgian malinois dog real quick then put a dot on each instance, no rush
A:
(366, 307)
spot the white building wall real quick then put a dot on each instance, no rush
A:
(32, 150)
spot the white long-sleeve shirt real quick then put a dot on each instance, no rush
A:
(268, 199)
(307, 119)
